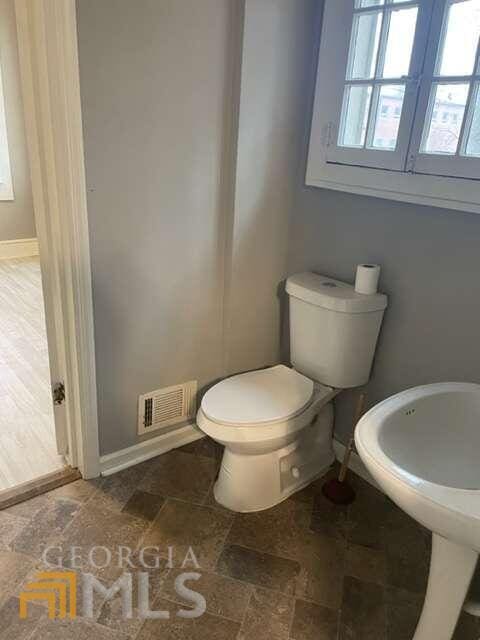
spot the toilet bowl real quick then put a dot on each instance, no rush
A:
(276, 423)
(276, 426)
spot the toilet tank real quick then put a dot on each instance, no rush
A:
(333, 329)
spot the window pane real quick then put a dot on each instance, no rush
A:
(387, 117)
(461, 32)
(364, 45)
(401, 33)
(356, 105)
(447, 104)
(361, 4)
(473, 139)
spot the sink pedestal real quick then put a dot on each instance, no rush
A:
(451, 571)
(421, 446)
(472, 603)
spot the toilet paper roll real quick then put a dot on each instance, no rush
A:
(366, 280)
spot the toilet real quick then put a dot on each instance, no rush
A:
(276, 423)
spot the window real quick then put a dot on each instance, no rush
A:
(6, 189)
(397, 105)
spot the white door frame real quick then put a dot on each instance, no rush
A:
(47, 41)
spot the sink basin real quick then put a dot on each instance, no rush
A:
(422, 446)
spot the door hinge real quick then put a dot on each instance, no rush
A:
(58, 393)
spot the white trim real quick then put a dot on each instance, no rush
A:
(356, 465)
(47, 39)
(21, 248)
(6, 185)
(114, 462)
(370, 188)
(142, 451)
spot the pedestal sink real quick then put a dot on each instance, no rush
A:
(422, 446)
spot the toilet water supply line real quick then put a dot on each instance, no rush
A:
(351, 442)
(337, 490)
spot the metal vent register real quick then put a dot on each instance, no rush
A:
(165, 407)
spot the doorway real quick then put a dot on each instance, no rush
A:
(28, 444)
(28, 440)
(49, 75)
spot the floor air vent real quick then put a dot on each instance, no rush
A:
(166, 407)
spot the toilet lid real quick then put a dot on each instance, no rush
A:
(255, 397)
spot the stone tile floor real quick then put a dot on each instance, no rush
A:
(304, 570)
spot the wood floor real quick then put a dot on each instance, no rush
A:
(27, 435)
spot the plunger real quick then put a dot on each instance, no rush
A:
(337, 490)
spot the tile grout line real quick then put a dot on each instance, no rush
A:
(250, 597)
(230, 520)
(292, 617)
(150, 526)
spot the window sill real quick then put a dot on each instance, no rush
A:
(448, 193)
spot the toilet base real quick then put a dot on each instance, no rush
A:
(249, 483)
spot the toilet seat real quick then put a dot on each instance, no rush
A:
(258, 397)
(276, 426)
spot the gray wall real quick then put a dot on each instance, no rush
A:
(153, 85)
(430, 270)
(189, 234)
(430, 261)
(273, 102)
(188, 212)
(16, 217)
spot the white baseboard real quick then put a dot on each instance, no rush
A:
(22, 248)
(124, 458)
(113, 462)
(355, 464)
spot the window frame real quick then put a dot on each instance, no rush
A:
(367, 157)
(455, 166)
(386, 182)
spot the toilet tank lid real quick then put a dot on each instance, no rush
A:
(332, 294)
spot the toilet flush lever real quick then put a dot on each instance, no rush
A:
(295, 471)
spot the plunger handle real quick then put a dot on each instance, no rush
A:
(349, 449)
